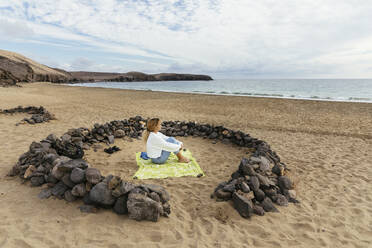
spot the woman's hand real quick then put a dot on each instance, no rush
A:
(181, 146)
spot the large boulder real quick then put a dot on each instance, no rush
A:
(141, 207)
(101, 195)
(243, 205)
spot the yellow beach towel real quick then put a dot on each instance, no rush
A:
(171, 168)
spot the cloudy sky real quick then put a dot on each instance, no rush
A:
(222, 38)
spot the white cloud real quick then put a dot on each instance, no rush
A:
(286, 38)
(14, 29)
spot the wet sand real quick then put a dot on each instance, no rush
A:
(327, 145)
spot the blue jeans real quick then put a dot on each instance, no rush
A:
(165, 154)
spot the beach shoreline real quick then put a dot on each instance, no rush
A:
(284, 90)
(325, 144)
(243, 95)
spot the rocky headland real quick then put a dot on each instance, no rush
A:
(15, 68)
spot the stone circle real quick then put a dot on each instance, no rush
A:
(257, 184)
(39, 114)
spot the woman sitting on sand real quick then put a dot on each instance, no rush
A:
(159, 146)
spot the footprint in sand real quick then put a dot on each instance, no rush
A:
(3, 237)
(156, 236)
(21, 243)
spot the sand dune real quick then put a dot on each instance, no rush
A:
(327, 146)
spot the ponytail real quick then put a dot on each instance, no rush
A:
(145, 135)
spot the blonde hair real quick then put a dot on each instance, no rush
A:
(150, 127)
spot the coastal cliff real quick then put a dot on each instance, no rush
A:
(16, 68)
(135, 76)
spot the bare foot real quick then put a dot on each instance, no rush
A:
(184, 160)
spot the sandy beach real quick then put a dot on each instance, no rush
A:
(327, 146)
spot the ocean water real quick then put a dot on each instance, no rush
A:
(354, 90)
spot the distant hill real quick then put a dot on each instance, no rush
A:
(18, 68)
(134, 76)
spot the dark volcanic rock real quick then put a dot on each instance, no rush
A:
(164, 196)
(51, 179)
(45, 193)
(166, 209)
(67, 181)
(155, 196)
(243, 205)
(245, 188)
(69, 196)
(122, 189)
(264, 181)
(59, 189)
(254, 183)
(259, 195)
(268, 205)
(69, 149)
(68, 166)
(77, 175)
(119, 134)
(265, 164)
(281, 200)
(37, 181)
(285, 183)
(101, 195)
(258, 210)
(79, 190)
(224, 195)
(248, 169)
(93, 175)
(87, 200)
(141, 207)
(230, 187)
(270, 192)
(278, 169)
(39, 114)
(120, 206)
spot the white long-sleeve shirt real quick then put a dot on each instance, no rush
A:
(157, 142)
